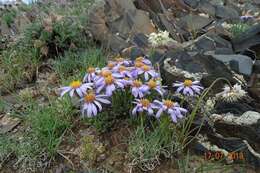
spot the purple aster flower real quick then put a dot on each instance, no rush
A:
(126, 81)
(143, 60)
(124, 62)
(110, 66)
(171, 108)
(147, 71)
(76, 86)
(143, 105)
(138, 89)
(188, 87)
(90, 75)
(122, 72)
(156, 85)
(92, 104)
(110, 84)
(246, 18)
(101, 76)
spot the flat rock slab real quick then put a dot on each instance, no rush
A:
(8, 123)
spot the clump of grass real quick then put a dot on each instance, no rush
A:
(38, 146)
(238, 28)
(91, 149)
(76, 63)
(48, 124)
(55, 35)
(8, 17)
(19, 65)
(6, 148)
(119, 111)
(146, 147)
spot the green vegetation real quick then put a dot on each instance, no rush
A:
(47, 126)
(147, 146)
(238, 28)
(8, 17)
(76, 63)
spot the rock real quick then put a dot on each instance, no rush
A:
(193, 23)
(211, 43)
(254, 87)
(248, 40)
(217, 2)
(256, 68)
(239, 63)
(8, 123)
(226, 13)
(132, 52)
(192, 3)
(206, 7)
(247, 118)
(236, 108)
(153, 5)
(179, 65)
(116, 22)
(256, 2)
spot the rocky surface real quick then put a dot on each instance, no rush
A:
(202, 48)
(205, 50)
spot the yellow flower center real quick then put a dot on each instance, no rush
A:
(120, 59)
(187, 83)
(145, 102)
(145, 67)
(110, 65)
(91, 70)
(168, 103)
(75, 84)
(139, 64)
(137, 83)
(109, 80)
(106, 73)
(152, 84)
(126, 78)
(122, 68)
(139, 59)
(90, 97)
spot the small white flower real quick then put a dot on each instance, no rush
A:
(232, 94)
(159, 39)
(210, 104)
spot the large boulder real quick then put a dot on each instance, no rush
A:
(116, 22)
(180, 65)
(248, 40)
(239, 63)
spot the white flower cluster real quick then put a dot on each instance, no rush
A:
(159, 39)
(232, 94)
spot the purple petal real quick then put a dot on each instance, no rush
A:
(98, 105)
(105, 101)
(65, 90)
(72, 92)
(89, 110)
(158, 114)
(94, 109)
(150, 111)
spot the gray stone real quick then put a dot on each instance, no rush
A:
(180, 65)
(211, 43)
(225, 12)
(256, 2)
(248, 40)
(116, 22)
(8, 123)
(193, 22)
(192, 3)
(206, 7)
(244, 63)
(257, 67)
